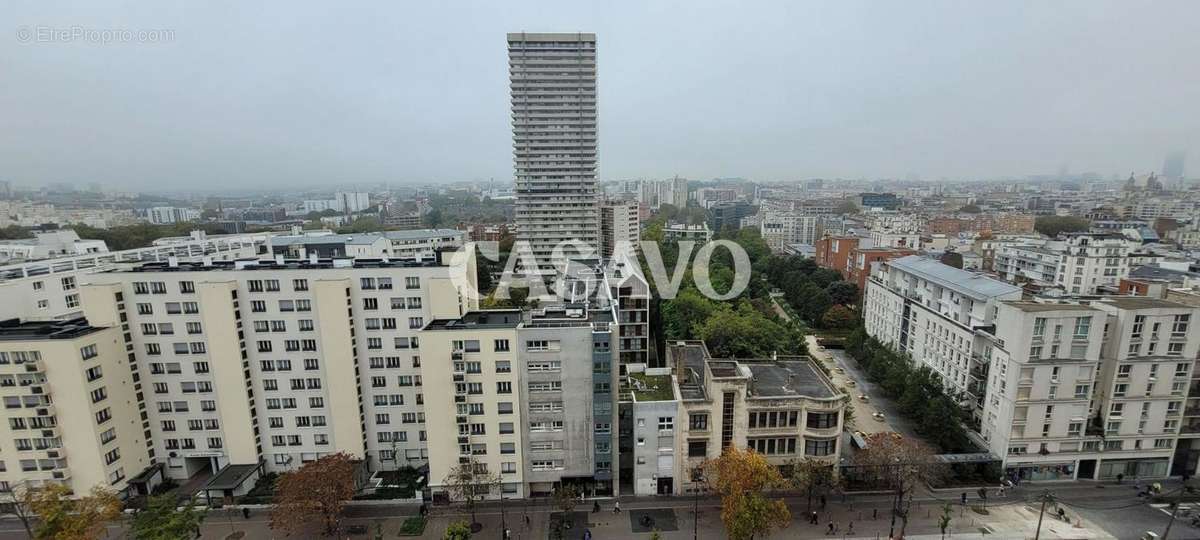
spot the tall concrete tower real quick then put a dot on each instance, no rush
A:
(553, 81)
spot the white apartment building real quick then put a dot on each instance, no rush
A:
(164, 215)
(553, 82)
(531, 395)
(70, 409)
(780, 229)
(931, 312)
(49, 288)
(49, 244)
(1091, 261)
(682, 231)
(278, 361)
(1027, 262)
(342, 201)
(619, 223)
(1063, 390)
(883, 237)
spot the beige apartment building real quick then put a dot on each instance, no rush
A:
(277, 361)
(70, 407)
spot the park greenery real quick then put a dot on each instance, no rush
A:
(937, 414)
(163, 519)
(1052, 226)
(62, 516)
(750, 326)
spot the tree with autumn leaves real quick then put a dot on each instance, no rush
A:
(315, 493)
(61, 517)
(742, 478)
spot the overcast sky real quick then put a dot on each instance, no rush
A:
(304, 93)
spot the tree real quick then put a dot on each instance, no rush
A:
(838, 317)
(63, 518)
(458, 530)
(846, 207)
(944, 519)
(970, 209)
(161, 521)
(903, 464)
(470, 482)
(812, 477)
(1053, 226)
(742, 478)
(842, 292)
(318, 490)
(686, 312)
(565, 498)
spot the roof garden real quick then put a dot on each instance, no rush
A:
(651, 387)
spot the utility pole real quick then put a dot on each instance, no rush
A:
(1046, 497)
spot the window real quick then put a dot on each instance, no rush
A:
(1180, 324)
(819, 447)
(698, 448)
(89, 352)
(370, 303)
(187, 287)
(412, 282)
(822, 420)
(666, 423)
(505, 387)
(299, 284)
(1039, 327)
(1083, 326)
(416, 322)
(500, 345)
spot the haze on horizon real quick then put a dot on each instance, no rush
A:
(279, 94)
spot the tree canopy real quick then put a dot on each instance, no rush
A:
(317, 491)
(1053, 226)
(742, 478)
(161, 520)
(62, 518)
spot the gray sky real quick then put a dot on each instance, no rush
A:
(304, 93)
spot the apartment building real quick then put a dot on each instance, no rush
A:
(862, 259)
(682, 231)
(278, 361)
(931, 312)
(531, 394)
(619, 224)
(70, 407)
(673, 419)
(49, 289)
(1070, 389)
(630, 292)
(833, 252)
(1027, 263)
(1092, 261)
(553, 82)
(780, 229)
(409, 244)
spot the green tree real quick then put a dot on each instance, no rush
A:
(838, 317)
(458, 530)
(684, 314)
(1053, 226)
(565, 498)
(470, 483)
(161, 521)
(842, 292)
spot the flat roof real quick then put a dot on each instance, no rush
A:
(968, 283)
(351, 239)
(232, 476)
(484, 319)
(1141, 302)
(419, 234)
(691, 355)
(1037, 307)
(653, 387)
(16, 330)
(290, 264)
(786, 379)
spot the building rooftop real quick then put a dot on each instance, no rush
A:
(364, 239)
(1141, 302)
(1158, 272)
(787, 379)
(231, 476)
(968, 283)
(651, 387)
(290, 264)
(420, 234)
(483, 320)
(687, 360)
(16, 330)
(1038, 307)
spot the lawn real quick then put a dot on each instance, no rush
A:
(652, 387)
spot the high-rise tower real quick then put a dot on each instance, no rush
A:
(553, 81)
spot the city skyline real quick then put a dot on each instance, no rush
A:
(867, 91)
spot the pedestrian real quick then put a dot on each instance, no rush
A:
(617, 507)
(245, 513)
(836, 527)
(830, 530)
(587, 534)
(874, 513)
(964, 498)
(813, 518)
(850, 528)
(526, 520)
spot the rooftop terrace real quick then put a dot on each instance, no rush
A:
(15, 330)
